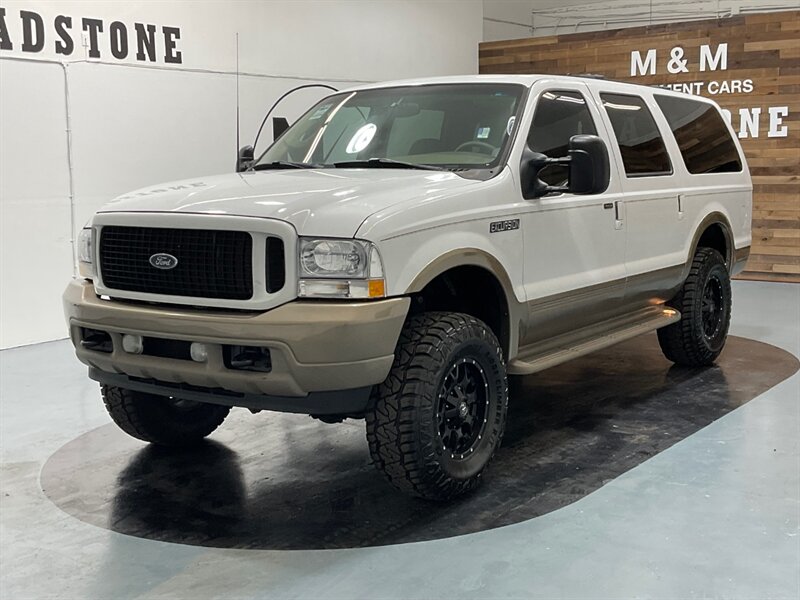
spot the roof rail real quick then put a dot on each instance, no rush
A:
(588, 75)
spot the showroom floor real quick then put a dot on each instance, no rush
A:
(665, 485)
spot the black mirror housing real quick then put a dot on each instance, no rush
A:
(532, 163)
(244, 158)
(589, 166)
(588, 163)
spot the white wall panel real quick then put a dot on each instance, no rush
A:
(135, 127)
(343, 39)
(35, 253)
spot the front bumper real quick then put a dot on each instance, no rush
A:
(316, 347)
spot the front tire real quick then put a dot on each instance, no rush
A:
(159, 419)
(704, 301)
(440, 415)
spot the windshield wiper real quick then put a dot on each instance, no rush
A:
(384, 163)
(283, 164)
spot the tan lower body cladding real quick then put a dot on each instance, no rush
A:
(315, 346)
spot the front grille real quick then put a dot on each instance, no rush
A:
(210, 264)
(276, 265)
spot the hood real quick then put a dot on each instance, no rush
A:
(321, 202)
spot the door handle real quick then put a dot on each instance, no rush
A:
(619, 214)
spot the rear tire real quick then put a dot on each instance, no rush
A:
(159, 419)
(704, 302)
(440, 415)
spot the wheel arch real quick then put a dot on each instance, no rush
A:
(503, 314)
(713, 231)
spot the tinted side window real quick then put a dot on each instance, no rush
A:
(559, 115)
(643, 151)
(704, 140)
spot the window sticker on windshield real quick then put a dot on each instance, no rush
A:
(510, 125)
(361, 139)
(482, 133)
(320, 112)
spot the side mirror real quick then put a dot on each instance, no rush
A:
(589, 167)
(587, 161)
(244, 158)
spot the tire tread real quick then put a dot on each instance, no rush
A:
(679, 341)
(392, 426)
(136, 414)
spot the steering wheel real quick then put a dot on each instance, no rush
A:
(484, 145)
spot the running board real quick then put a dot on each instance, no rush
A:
(549, 353)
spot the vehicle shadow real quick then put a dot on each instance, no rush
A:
(288, 482)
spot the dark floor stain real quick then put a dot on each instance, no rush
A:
(289, 482)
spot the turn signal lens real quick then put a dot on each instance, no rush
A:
(337, 288)
(377, 288)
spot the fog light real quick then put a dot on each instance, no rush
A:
(198, 352)
(132, 344)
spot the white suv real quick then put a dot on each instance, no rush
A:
(401, 248)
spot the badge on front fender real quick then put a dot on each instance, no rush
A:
(500, 226)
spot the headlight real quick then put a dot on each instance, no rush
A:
(335, 268)
(333, 258)
(86, 253)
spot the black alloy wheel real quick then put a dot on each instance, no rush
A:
(462, 408)
(440, 415)
(704, 302)
(712, 307)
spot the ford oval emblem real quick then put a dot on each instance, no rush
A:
(163, 261)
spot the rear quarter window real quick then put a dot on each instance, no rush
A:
(640, 143)
(705, 143)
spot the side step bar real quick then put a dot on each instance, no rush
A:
(550, 353)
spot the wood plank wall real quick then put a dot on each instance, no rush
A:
(763, 48)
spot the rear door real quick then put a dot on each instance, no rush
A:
(650, 210)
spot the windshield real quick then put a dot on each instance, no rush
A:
(452, 126)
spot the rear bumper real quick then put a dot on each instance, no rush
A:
(315, 347)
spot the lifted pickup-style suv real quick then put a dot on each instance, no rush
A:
(401, 248)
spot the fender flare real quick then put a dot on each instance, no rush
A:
(474, 257)
(713, 218)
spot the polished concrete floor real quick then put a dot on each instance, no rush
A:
(625, 479)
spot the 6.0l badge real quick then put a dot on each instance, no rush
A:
(163, 261)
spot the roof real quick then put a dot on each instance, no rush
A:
(529, 80)
(526, 80)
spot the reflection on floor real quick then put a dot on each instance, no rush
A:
(290, 482)
(688, 501)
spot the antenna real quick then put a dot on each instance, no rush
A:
(278, 101)
(237, 91)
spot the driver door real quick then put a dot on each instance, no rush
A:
(574, 257)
